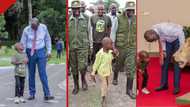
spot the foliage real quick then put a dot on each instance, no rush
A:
(3, 33)
(186, 30)
(50, 12)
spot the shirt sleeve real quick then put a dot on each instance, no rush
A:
(90, 33)
(13, 59)
(181, 38)
(48, 41)
(96, 63)
(24, 39)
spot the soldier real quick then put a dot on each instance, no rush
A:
(78, 46)
(125, 43)
(101, 27)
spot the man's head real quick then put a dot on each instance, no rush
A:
(144, 56)
(113, 8)
(129, 9)
(19, 47)
(75, 6)
(34, 23)
(83, 6)
(100, 8)
(91, 9)
(151, 36)
(107, 43)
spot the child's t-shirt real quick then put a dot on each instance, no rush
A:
(103, 63)
(20, 68)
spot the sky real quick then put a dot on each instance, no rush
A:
(121, 2)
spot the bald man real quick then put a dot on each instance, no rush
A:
(101, 27)
(37, 45)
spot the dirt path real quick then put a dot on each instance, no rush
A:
(91, 98)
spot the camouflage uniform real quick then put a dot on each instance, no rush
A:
(78, 49)
(126, 44)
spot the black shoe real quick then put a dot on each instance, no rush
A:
(161, 88)
(176, 91)
(47, 98)
(84, 82)
(115, 82)
(31, 98)
(76, 84)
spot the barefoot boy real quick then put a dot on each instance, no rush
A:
(103, 65)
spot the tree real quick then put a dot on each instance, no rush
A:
(3, 33)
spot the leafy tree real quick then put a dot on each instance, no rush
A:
(3, 33)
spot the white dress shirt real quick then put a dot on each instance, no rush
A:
(169, 32)
(114, 27)
(43, 38)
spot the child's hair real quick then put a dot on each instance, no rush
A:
(143, 54)
(105, 40)
(16, 44)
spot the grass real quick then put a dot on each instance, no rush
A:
(6, 53)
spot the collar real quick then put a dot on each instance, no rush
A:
(80, 17)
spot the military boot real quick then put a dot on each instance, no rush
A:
(129, 88)
(115, 78)
(76, 84)
(84, 82)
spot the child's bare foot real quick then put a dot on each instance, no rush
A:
(103, 101)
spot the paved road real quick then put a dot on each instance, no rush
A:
(57, 80)
(91, 98)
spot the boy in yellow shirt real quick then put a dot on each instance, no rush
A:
(103, 65)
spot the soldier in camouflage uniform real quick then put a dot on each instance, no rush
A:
(78, 46)
(126, 44)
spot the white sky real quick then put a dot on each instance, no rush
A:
(121, 2)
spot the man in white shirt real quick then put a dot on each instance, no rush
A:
(114, 20)
(170, 37)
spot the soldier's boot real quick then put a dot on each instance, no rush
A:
(84, 82)
(76, 84)
(129, 88)
(115, 78)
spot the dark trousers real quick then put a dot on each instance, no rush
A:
(171, 48)
(145, 79)
(96, 48)
(19, 86)
(59, 52)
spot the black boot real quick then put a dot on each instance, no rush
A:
(76, 84)
(115, 78)
(84, 83)
(129, 88)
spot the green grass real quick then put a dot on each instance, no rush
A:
(6, 53)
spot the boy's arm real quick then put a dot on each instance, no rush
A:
(25, 59)
(13, 60)
(96, 64)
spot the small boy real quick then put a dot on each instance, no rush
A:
(103, 66)
(19, 60)
(59, 48)
(142, 64)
